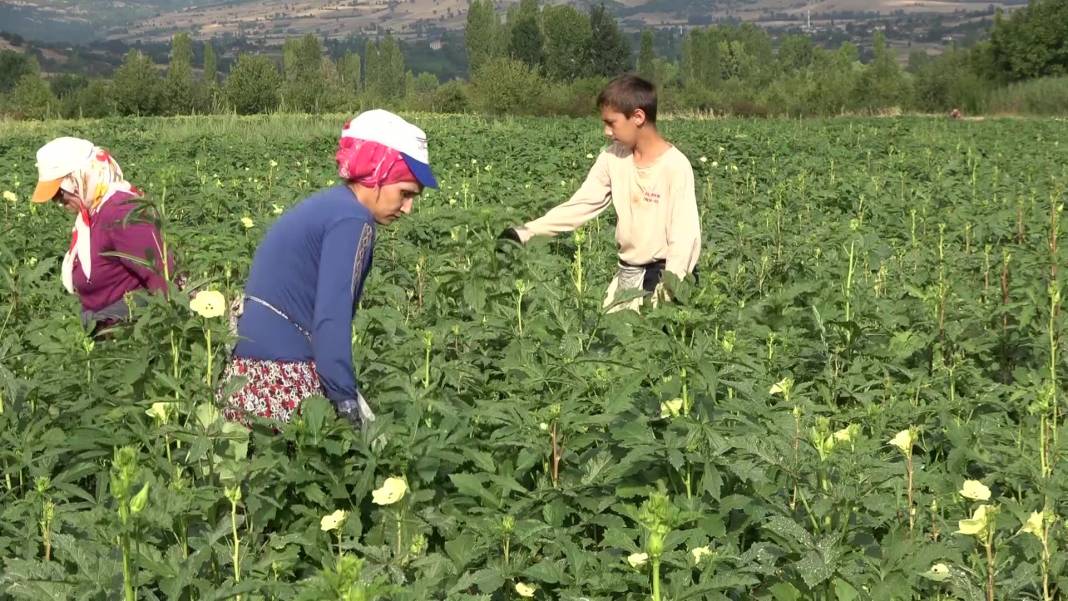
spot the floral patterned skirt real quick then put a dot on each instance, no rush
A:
(272, 390)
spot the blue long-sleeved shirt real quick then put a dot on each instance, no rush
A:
(311, 266)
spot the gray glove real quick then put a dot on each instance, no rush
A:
(356, 411)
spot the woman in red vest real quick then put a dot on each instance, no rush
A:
(86, 180)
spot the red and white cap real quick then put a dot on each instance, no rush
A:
(390, 130)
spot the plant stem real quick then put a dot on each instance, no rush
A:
(127, 570)
(519, 311)
(943, 291)
(1046, 596)
(1005, 258)
(556, 456)
(849, 286)
(237, 543)
(797, 453)
(809, 513)
(908, 469)
(1042, 445)
(577, 267)
(46, 535)
(163, 242)
(1054, 310)
(207, 339)
(990, 567)
(174, 361)
(183, 537)
(1046, 564)
(400, 531)
(688, 479)
(685, 391)
(952, 387)
(426, 364)
(656, 579)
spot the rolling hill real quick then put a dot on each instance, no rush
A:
(270, 21)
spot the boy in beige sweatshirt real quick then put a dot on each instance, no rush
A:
(651, 185)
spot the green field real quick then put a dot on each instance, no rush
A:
(859, 278)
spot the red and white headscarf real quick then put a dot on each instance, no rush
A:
(371, 164)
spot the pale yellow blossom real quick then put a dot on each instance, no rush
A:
(979, 522)
(847, 434)
(161, 412)
(700, 553)
(903, 440)
(939, 572)
(975, 490)
(1035, 525)
(209, 303)
(782, 387)
(637, 560)
(671, 408)
(392, 490)
(333, 521)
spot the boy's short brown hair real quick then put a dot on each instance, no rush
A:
(628, 93)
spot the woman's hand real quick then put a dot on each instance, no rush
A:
(356, 411)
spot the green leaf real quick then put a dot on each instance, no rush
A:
(469, 485)
(462, 550)
(207, 415)
(315, 411)
(790, 530)
(488, 580)
(549, 572)
(813, 569)
(784, 591)
(483, 460)
(845, 591)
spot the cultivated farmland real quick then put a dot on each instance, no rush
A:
(861, 398)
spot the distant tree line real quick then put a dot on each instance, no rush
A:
(553, 59)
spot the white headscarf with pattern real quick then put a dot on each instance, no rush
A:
(95, 181)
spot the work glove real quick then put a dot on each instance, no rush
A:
(356, 411)
(510, 234)
(506, 241)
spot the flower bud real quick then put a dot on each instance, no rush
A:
(656, 544)
(140, 500)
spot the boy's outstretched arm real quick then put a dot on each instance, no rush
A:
(684, 231)
(589, 201)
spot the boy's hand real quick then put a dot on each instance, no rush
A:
(510, 234)
(661, 295)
